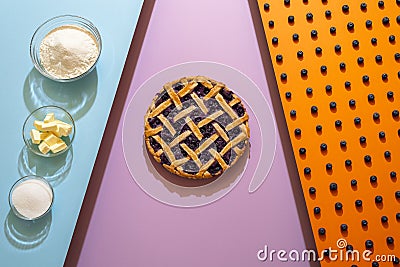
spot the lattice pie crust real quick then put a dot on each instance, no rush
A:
(196, 127)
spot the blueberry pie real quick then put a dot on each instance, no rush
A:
(196, 127)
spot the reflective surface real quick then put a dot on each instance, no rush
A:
(88, 100)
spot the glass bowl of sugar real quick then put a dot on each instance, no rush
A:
(31, 197)
(65, 48)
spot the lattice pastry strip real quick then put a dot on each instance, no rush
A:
(225, 106)
(206, 143)
(210, 118)
(221, 132)
(200, 103)
(196, 127)
(179, 138)
(192, 155)
(175, 98)
(189, 86)
(167, 124)
(184, 113)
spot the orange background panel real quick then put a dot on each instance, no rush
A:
(310, 139)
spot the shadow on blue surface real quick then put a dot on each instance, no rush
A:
(54, 170)
(26, 235)
(76, 97)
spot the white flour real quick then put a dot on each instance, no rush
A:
(32, 198)
(68, 51)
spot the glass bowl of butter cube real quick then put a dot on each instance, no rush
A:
(49, 131)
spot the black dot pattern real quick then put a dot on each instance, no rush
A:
(337, 67)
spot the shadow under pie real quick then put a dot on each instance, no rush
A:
(199, 187)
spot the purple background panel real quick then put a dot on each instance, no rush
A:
(129, 228)
(157, 183)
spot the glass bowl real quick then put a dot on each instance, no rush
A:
(41, 186)
(39, 114)
(53, 23)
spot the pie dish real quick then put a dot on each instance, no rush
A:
(196, 127)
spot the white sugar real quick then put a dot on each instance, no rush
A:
(32, 198)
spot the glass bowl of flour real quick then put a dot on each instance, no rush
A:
(65, 48)
(31, 197)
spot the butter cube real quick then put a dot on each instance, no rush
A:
(48, 132)
(38, 125)
(57, 132)
(44, 147)
(49, 117)
(43, 135)
(51, 139)
(63, 129)
(35, 136)
(61, 123)
(49, 126)
(59, 146)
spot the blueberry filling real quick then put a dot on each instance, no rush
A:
(177, 87)
(234, 132)
(224, 119)
(177, 151)
(201, 90)
(192, 142)
(212, 106)
(241, 145)
(183, 153)
(168, 110)
(239, 109)
(186, 98)
(190, 167)
(195, 113)
(164, 159)
(185, 128)
(228, 156)
(207, 130)
(154, 144)
(226, 94)
(165, 96)
(161, 98)
(197, 119)
(166, 135)
(220, 143)
(214, 168)
(154, 122)
(186, 104)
